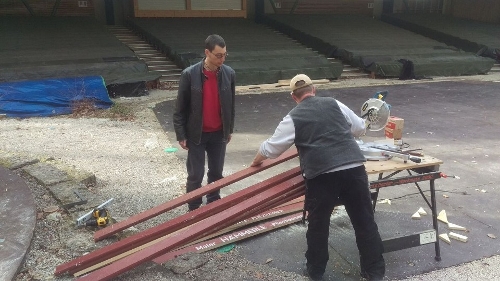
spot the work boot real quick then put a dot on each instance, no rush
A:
(370, 277)
(315, 277)
(214, 196)
(192, 207)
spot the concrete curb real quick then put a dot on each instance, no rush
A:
(69, 186)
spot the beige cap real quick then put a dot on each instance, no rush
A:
(298, 78)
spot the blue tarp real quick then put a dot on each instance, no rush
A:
(52, 96)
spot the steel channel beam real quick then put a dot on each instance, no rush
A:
(155, 211)
(175, 224)
(292, 206)
(217, 222)
(193, 248)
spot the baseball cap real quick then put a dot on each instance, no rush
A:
(298, 78)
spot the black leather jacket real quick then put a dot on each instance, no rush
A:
(188, 115)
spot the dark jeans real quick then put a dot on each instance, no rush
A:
(350, 187)
(215, 147)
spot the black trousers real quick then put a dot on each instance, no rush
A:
(350, 187)
(214, 145)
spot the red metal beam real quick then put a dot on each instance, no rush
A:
(175, 224)
(283, 209)
(217, 222)
(287, 207)
(240, 234)
(155, 211)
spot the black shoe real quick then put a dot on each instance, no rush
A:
(370, 277)
(212, 199)
(313, 276)
(192, 208)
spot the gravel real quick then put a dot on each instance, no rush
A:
(131, 165)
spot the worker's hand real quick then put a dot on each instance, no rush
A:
(254, 163)
(228, 138)
(258, 159)
(183, 144)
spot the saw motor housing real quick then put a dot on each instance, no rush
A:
(376, 113)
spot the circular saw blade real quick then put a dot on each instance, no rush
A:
(377, 114)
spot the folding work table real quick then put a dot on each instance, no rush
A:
(426, 170)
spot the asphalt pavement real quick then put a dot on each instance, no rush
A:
(456, 122)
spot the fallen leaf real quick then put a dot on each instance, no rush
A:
(269, 260)
(51, 209)
(483, 190)
(445, 196)
(492, 236)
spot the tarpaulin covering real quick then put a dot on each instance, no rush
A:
(51, 97)
(36, 48)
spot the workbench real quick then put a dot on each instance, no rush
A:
(425, 171)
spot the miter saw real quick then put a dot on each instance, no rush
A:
(376, 113)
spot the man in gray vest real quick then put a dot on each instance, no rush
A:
(323, 130)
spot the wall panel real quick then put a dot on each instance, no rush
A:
(162, 5)
(480, 10)
(45, 7)
(190, 8)
(216, 5)
(364, 7)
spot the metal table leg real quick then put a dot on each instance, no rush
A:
(434, 219)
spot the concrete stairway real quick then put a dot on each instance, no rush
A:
(349, 72)
(154, 59)
(495, 68)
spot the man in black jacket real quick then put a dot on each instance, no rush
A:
(204, 116)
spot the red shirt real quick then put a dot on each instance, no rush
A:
(212, 120)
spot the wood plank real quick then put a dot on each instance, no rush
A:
(404, 180)
(217, 222)
(115, 228)
(175, 224)
(281, 85)
(397, 164)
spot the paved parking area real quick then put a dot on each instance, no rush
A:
(456, 122)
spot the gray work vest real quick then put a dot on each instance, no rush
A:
(323, 137)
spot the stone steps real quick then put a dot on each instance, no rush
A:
(154, 59)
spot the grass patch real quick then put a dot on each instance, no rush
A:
(86, 109)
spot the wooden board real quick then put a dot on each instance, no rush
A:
(397, 164)
(281, 85)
